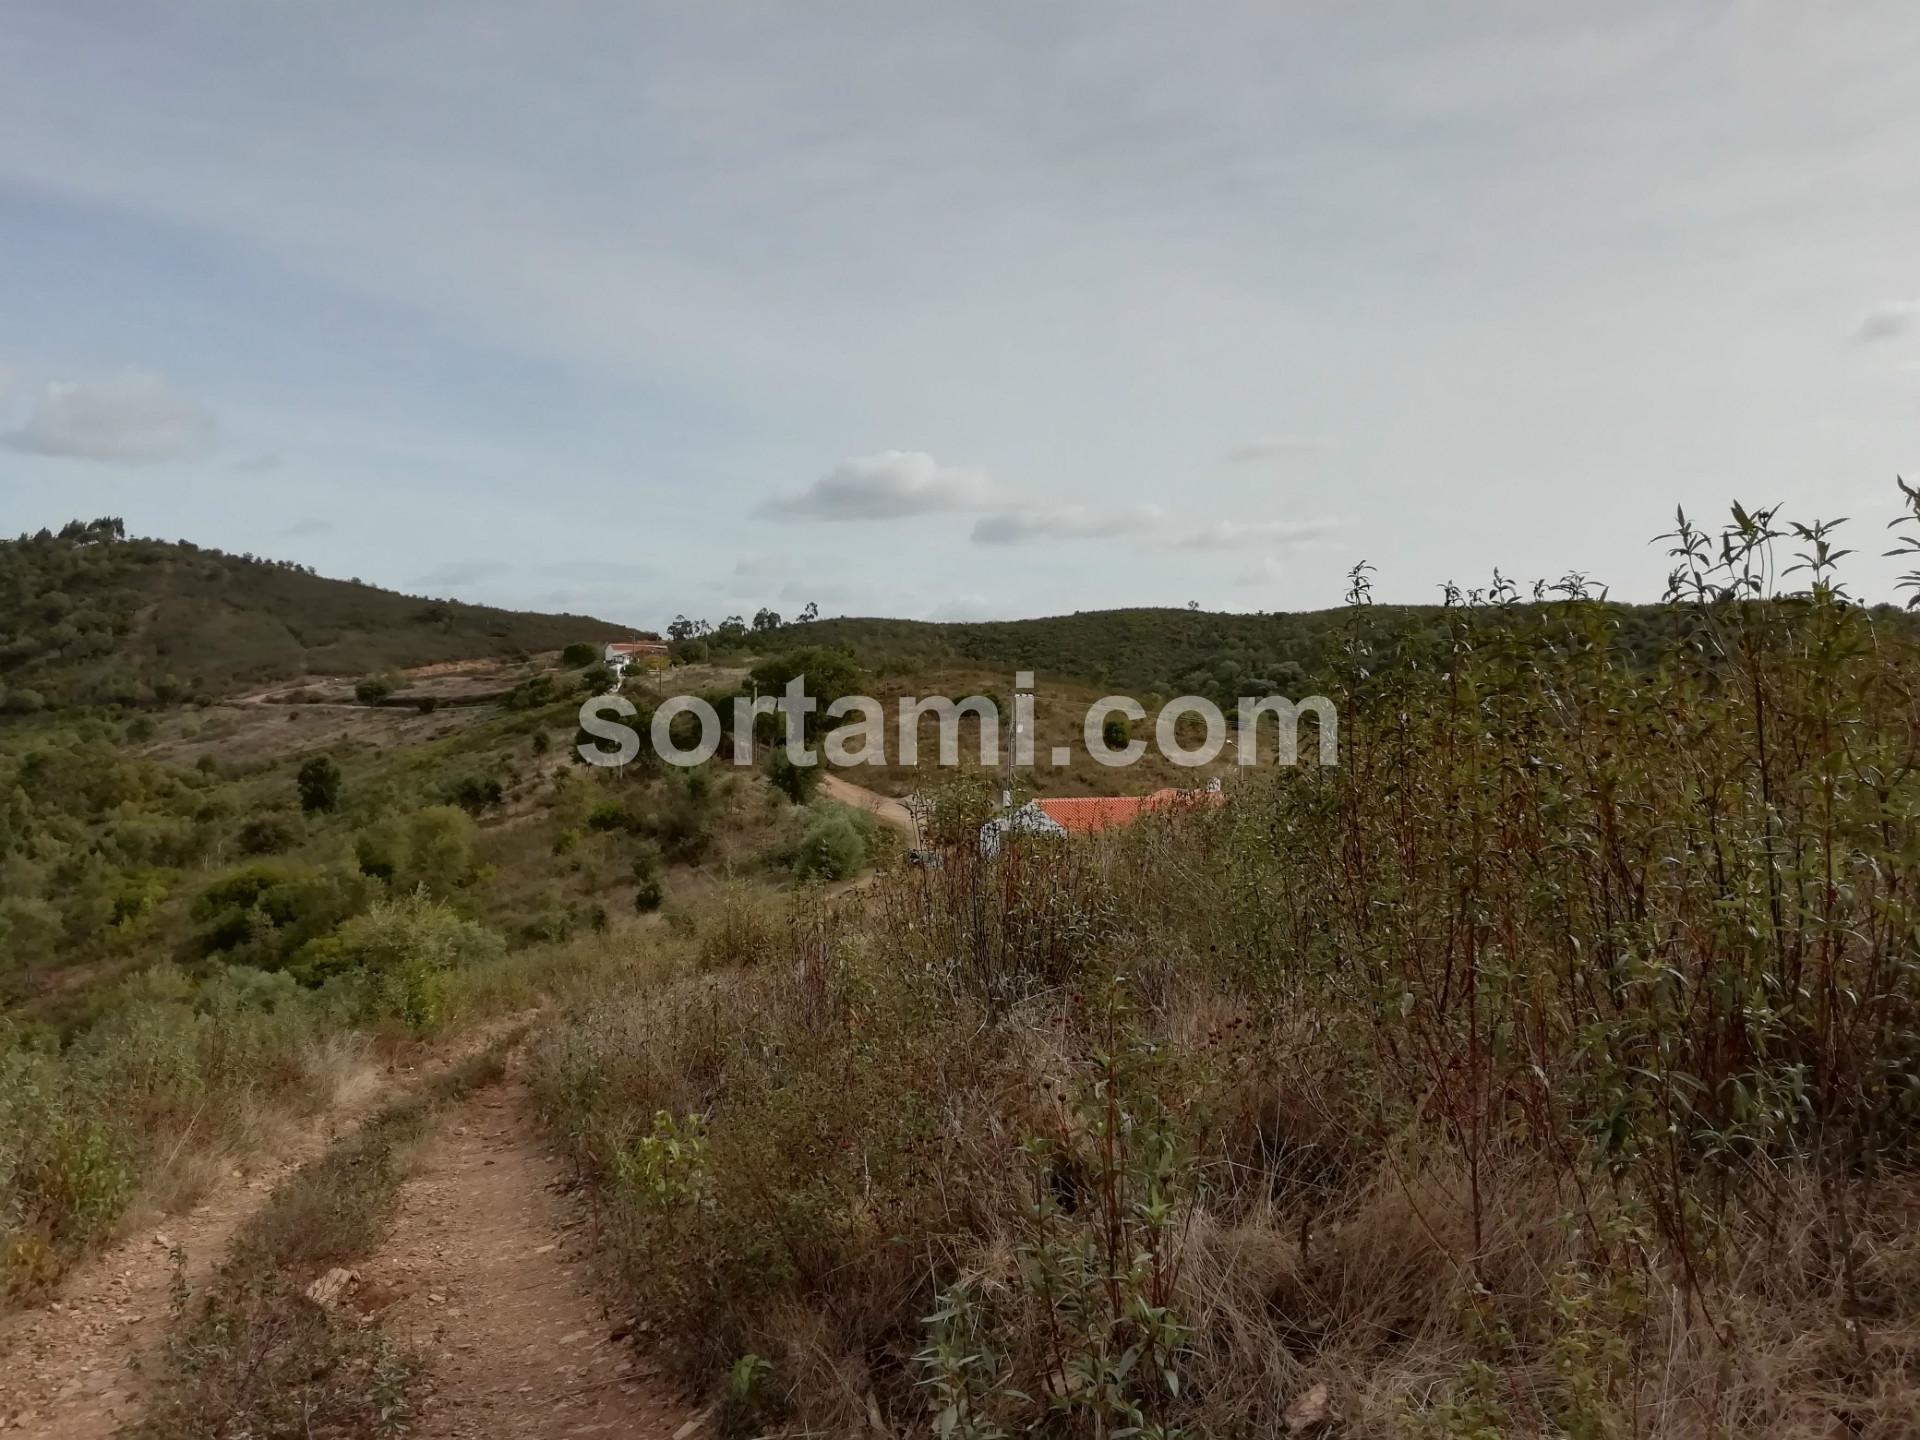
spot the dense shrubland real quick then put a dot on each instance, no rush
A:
(1549, 1067)
(187, 949)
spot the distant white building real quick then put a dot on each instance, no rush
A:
(648, 654)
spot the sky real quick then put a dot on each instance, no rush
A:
(960, 311)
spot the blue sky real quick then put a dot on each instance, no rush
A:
(991, 309)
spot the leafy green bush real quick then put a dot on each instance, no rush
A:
(476, 793)
(579, 655)
(268, 834)
(396, 956)
(830, 850)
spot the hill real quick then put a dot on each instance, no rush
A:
(1144, 651)
(91, 616)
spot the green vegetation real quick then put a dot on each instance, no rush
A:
(89, 616)
(1549, 1067)
(832, 849)
(193, 930)
(319, 784)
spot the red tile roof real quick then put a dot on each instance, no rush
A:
(1086, 814)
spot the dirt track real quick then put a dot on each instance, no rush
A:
(882, 807)
(486, 1275)
(75, 1368)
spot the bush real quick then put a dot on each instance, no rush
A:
(373, 690)
(476, 793)
(830, 850)
(579, 655)
(396, 956)
(432, 849)
(648, 889)
(318, 783)
(268, 835)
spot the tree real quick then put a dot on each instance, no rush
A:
(1116, 732)
(810, 614)
(825, 674)
(796, 782)
(579, 655)
(372, 690)
(319, 784)
(765, 619)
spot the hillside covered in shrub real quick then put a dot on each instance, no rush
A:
(89, 616)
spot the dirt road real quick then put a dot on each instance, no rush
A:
(485, 1275)
(75, 1368)
(884, 808)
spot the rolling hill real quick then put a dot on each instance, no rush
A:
(89, 616)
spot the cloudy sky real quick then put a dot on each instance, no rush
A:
(973, 309)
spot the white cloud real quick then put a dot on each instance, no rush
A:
(309, 525)
(1265, 571)
(1067, 522)
(1241, 534)
(889, 486)
(132, 417)
(1888, 322)
(1259, 452)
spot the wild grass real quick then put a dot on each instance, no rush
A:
(1549, 1067)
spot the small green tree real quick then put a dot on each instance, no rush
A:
(372, 690)
(579, 655)
(796, 782)
(319, 784)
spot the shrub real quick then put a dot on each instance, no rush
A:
(318, 783)
(396, 957)
(268, 835)
(373, 690)
(648, 889)
(830, 850)
(432, 849)
(579, 655)
(476, 793)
